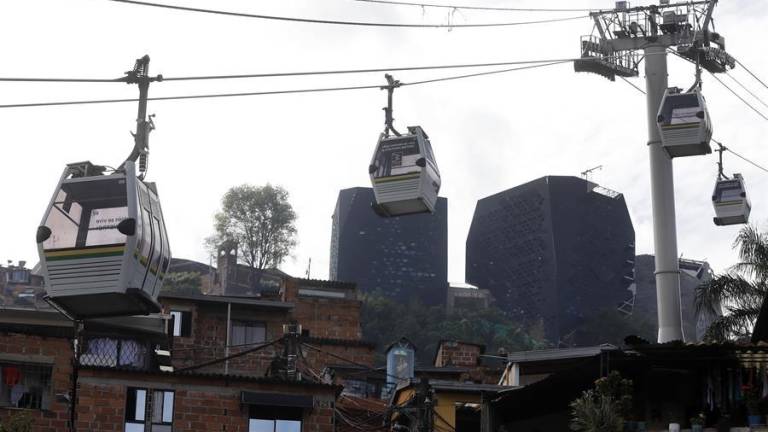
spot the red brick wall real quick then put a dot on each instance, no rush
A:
(200, 404)
(60, 351)
(457, 353)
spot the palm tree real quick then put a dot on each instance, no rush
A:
(739, 292)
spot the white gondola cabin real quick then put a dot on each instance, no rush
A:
(404, 174)
(730, 200)
(684, 123)
(102, 243)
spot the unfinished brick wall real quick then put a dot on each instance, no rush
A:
(42, 350)
(457, 353)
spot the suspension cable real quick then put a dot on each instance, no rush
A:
(349, 23)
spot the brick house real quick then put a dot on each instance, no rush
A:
(126, 381)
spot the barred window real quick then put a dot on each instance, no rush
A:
(114, 352)
(25, 385)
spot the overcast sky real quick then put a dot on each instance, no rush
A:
(489, 133)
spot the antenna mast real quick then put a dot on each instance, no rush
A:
(613, 51)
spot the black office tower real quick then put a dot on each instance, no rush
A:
(403, 257)
(552, 252)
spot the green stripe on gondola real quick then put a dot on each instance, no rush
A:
(682, 126)
(85, 253)
(396, 178)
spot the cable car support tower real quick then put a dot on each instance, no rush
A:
(619, 37)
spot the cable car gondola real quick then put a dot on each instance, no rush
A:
(730, 200)
(684, 123)
(102, 242)
(404, 174)
(403, 170)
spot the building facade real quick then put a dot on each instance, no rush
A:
(208, 362)
(403, 257)
(552, 251)
(692, 274)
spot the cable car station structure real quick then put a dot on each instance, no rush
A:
(678, 122)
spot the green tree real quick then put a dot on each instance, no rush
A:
(739, 292)
(182, 283)
(385, 320)
(605, 408)
(261, 222)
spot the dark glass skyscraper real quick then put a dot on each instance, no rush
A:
(403, 257)
(552, 252)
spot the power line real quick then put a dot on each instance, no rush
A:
(349, 23)
(485, 8)
(291, 74)
(223, 359)
(264, 93)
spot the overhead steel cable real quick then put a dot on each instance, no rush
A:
(747, 90)
(273, 92)
(740, 97)
(750, 72)
(348, 23)
(292, 74)
(728, 149)
(484, 8)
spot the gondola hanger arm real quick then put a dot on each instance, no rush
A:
(392, 84)
(140, 75)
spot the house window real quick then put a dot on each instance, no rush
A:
(274, 419)
(114, 352)
(182, 323)
(149, 406)
(25, 385)
(247, 332)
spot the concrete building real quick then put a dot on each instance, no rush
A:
(403, 257)
(552, 252)
(692, 274)
(466, 296)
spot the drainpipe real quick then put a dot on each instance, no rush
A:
(226, 347)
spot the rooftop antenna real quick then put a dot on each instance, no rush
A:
(613, 50)
(586, 173)
(309, 267)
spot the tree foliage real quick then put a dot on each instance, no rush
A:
(739, 292)
(182, 283)
(610, 326)
(605, 408)
(260, 222)
(385, 320)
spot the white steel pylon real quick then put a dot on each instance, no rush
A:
(613, 50)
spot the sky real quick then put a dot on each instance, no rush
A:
(489, 133)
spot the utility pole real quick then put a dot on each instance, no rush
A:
(613, 51)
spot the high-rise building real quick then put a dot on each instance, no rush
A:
(403, 258)
(552, 252)
(643, 305)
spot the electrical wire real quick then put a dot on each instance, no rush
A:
(484, 8)
(230, 357)
(305, 73)
(263, 93)
(349, 23)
